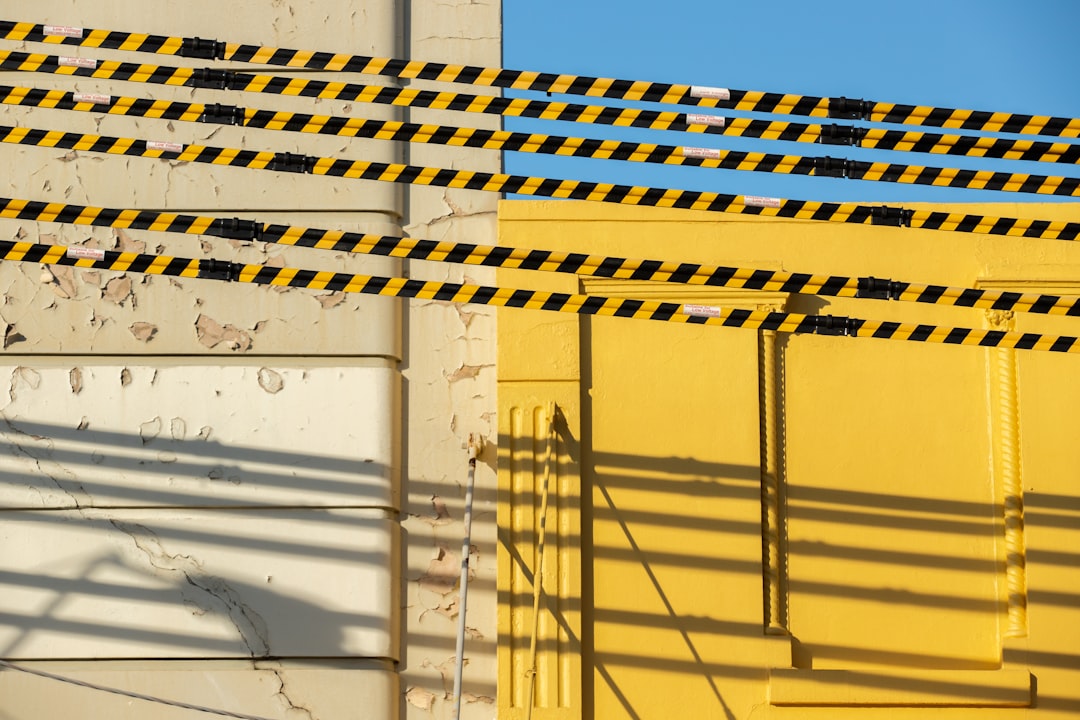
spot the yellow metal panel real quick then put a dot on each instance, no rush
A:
(954, 688)
(918, 542)
(524, 464)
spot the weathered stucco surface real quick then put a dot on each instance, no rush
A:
(176, 583)
(196, 435)
(450, 393)
(194, 469)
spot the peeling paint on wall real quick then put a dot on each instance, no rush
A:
(197, 435)
(62, 280)
(149, 430)
(143, 331)
(125, 243)
(76, 379)
(420, 698)
(270, 381)
(211, 333)
(450, 355)
(118, 290)
(12, 336)
(331, 300)
(23, 378)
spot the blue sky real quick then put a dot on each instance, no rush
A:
(997, 55)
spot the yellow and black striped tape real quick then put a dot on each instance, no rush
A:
(500, 140)
(833, 134)
(745, 100)
(541, 260)
(528, 299)
(550, 144)
(548, 187)
(353, 92)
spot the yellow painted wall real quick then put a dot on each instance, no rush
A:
(773, 526)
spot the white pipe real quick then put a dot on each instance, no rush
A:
(466, 545)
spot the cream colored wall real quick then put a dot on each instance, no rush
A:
(201, 476)
(888, 576)
(450, 390)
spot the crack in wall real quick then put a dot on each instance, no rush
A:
(59, 476)
(42, 459)
(292, 707)
(249, 625)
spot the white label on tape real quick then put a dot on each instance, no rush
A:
(85, 253)
(693, 152)
(695, 119)
(95, 98)
(701, 310)
(167, 146)
(64, 30)
(77, 62)
(759, 201)
(713, 93)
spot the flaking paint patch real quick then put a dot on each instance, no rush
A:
(331, 300)
(118, 290)
(469, 697)
(12, 336)
(125, 377)
(211, 333)
(271, 381)
(23, 378)
(447, 669)
(61, 279)
(178, 428)
(143, 331)
(464, 372)
(75, 377)
(443, 571)
(125, 243)
(440, 515)
(421, 698)
(150, 430)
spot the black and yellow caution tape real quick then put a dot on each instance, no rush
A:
(547, 187)
(528, 299)
(500, 140)
(961, 145)
(833, 134)
(540, 260)
(717, 97)
(551, 144)
(354, 92)
(903, 140)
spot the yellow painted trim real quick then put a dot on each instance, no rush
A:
(932, 688)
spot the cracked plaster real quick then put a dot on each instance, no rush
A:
(451, 381)
(450, 366)
(170, 435)
(198, 583)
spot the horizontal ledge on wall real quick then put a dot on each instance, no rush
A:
(924, 688)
